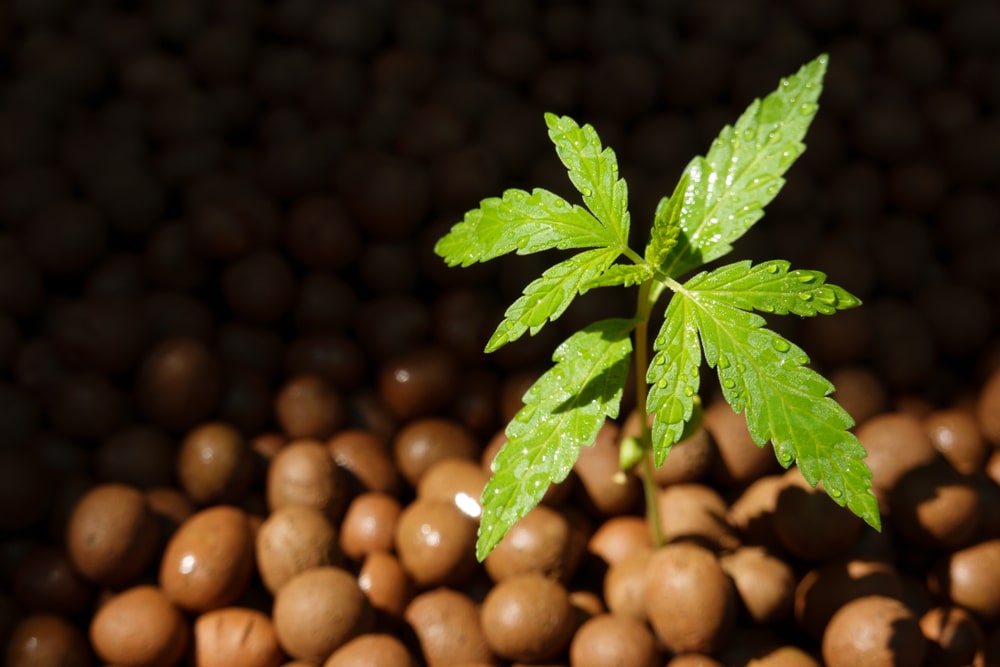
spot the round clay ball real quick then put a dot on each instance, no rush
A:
(988, 409)
(690, 600)
(955, 433)
(953, 636)
(215, 464)
(873, 630)
(828, 587)
(304, 473)
(764, 583)
(179, 383)
(292, 539)
(112, 535)
(896, 442)
(46, 639)
(307, 406)
(800, 508)
(436, 543)
(369, 524)
(607, 639)
(140, 626)
(458, 481)
(936, 507)
(385, 583)
(372, 650)
(620, 536)
(208, 561)
(541, 541)
(319, 610)
(366, 457)
(970, 578)
(695, 512)
(448, 628)
(423, 442)
(236, 635)
(418, 383)
(528, 618)
(738, 460)
(603, 486)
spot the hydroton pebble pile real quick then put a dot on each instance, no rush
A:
(243, 406)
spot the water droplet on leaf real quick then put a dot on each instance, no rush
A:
(806, 296)
(782, 345)
(836, 493)
(728, 383)
(662, 384)
(771, 268)
(723, 362)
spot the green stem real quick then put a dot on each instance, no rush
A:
(649, 292)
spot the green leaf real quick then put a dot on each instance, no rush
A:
(769, 287)
(721, 195)
(666, 226)
(765, 376)
(562, 412)
(547, 297)
(624, 275)
(521, 222)
(593, 170)
(673, 376)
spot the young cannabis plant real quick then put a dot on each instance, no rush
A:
(712, 315)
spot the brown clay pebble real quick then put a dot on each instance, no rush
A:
(953, 636)
(625, 585)
(935, 507)
(601, 482)
(140, 626)
(448, 628)
(697, 513)
(136, 455)
(369, 524)
(372, 650)
(423, 442)
(179, 383)
(417, 383)
(619, 536)
(539, 542)
(45, 580)
(955, 433)
(607, 640)
(738, 460)
(764, 583)
(825, 589)
(303, 473)
(896, 442)
(873, 630)
(307, 406)
(215, 464)
(970, 578)
(690, 600)
(292, 539)
(385, 583)
(112, 535)
(458, 481)
(694, 660)
(208, 562)
(800, 508)
(318, 611)
(235, 635)
(44, 640)
(528, 618)
(689, 460)
(988, 408)
(752, 511)
(367, 458)
(436, 543)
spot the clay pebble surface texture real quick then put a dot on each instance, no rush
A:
(244, 411)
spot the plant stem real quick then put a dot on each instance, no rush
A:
(649, 291)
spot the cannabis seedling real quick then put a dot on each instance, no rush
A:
(713, 314)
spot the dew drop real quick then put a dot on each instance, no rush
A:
(693, 372)
(688, 391)
(836, 493)
(660, 360)
(806, 278)
(827, 297)
(802, 360)
(807, 108)
(728, 383)
(771, 268)
(785, 457)
(723, 362)
(772, 190)
(773, 137)
(521, 242)
(662, 384)
(806, 296)
(767, 308)
(740, 368)
(586, 192)
(748, 134)
(781, 345)
(660, 341)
